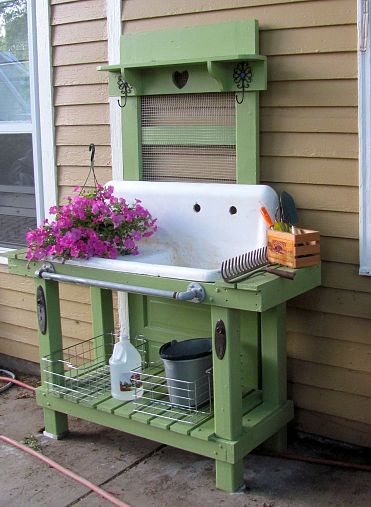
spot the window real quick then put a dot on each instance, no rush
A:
(17, 188)
(364, 112)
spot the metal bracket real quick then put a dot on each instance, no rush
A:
(41, 309)
(47, 267)
(195, 293)
(220, 339)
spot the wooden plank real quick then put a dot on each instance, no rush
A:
(134, 9)
(87, 115)
(321, 93)
(81, 94)
(84, 53)
(314, 171)
(85, 31)
(335, 427)
(329, 351)
(296, 144)
(323, 39)
(314, 67)
(329, 325)
(110, 405)
(84, 74)
(309, 119)
(332, 224)
(27, 351)
(329, 377)
(71, 135)
(336, 301)
(344, 276)
(349, 406)
(79, 156)
(277, 16)
(72, 176)
(322, 197)
(78, 11)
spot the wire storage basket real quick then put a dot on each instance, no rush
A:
(81, 373)
(187, 402)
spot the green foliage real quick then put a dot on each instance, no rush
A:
(13, 28)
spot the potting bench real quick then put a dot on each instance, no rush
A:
(246, 319)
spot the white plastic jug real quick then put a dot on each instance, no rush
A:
(125, 368)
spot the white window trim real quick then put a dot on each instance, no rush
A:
(364, 129)
(114, 25)
(38, 16)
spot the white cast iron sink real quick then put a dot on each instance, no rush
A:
(199, 226)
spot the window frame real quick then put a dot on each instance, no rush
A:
(364, 130)
(41, 125)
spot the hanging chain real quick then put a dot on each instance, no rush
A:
(91, 170)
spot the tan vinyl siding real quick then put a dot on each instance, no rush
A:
(309, 147)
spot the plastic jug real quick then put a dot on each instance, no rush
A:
(125, 368)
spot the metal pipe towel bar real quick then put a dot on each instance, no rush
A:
(194, 293)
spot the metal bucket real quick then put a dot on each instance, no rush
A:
(188, 371)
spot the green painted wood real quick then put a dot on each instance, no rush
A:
(123, 423)
(229, 477)
(110, 405)
(250, 350)
(102, 322)
(247, 139)
(190, 135)
(227, 396)
(273, 355)
(260, 424)
(131, 138)
(190, 44)
(258, 293)
(50, 345)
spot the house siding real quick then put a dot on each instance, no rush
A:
(309, 147)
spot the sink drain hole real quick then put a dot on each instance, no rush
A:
(197, 208)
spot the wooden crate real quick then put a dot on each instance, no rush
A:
(294, 250)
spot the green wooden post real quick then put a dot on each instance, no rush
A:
(50, 344)
(250, 350)
(247, 139)
(228, 396)
(102, 320)
(274, 366)
(132, 138)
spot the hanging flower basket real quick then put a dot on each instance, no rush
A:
(91, 224)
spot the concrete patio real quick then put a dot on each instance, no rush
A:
(145, 474)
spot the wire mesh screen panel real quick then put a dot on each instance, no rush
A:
(189, 137)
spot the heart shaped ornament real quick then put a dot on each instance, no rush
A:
(180, 79)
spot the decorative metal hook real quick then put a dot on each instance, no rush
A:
(124, 88)
(242, 76)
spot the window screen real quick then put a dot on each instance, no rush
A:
(189, 137)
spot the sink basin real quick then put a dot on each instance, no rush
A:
(199, 226)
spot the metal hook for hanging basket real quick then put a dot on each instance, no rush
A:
(242, 76)
(124, 88)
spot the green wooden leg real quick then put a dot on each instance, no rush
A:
(228, 395)
(274, 367)
(102, 320)
(56, 423)
(229, 477)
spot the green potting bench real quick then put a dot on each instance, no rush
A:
(250, 404)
